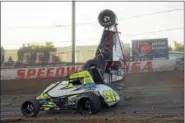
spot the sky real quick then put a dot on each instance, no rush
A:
(39, 22)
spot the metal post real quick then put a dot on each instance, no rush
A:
(73, 32)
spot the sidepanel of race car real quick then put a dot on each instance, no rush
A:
(63, 92)
(53, 88)
(60, 85)
(110, 96)
(50, 86)
(107, 92)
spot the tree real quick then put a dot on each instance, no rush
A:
(170, 48)
(178, 46)
(2, 55)
(23, 50)
(33, 49)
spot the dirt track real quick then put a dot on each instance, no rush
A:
(154, 95)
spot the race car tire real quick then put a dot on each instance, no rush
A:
(107, 18)
(93, 101)
(93, 63)
(30, 108)
(90, 63)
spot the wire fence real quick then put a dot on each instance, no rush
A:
(82, 54)
(11, 59)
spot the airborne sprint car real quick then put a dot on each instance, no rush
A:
(83, 91)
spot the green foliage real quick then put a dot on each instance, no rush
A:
(170, 48)
(178, 47)
(46, 49)
(22, 50)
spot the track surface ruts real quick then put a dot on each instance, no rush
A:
(148, 94)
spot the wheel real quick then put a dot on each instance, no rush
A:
(107, 18)
(89, 104)
(89, 64)
(30, 108)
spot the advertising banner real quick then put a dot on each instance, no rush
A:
(150, 49)
(61, 71)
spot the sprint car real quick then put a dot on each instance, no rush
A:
(83, 91)
(86, 90)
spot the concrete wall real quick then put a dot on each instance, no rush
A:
(61, 71)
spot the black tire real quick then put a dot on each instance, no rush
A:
(33, 104)
(94, 104)
(107, 18)
(89, 64)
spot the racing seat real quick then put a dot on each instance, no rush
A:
(96, 75)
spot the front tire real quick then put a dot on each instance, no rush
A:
(89, 104)
(30, 108)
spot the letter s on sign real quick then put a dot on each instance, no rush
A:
(21, 74)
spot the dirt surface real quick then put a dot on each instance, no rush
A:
(149, 97)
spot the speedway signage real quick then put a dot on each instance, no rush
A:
(150, 49)
(46, 72)
(61, 71)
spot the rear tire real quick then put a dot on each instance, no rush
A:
(90, 63)
(30, 108)
(89, 104)
(107, 18)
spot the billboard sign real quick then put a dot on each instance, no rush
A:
(150, 49)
